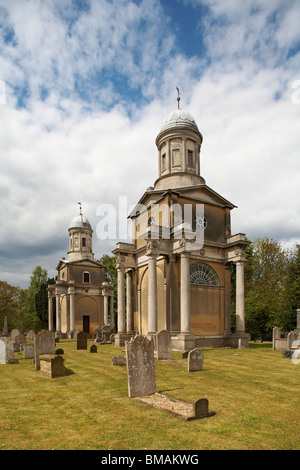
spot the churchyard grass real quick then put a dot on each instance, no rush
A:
(254, 392)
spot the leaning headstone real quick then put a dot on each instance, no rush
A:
(163, 345)
(140, 366)
(60, 351)
(44, 343)
(28, 350)
(93, 348)
(195, 360)
(118, 361)
(82, 337)
(2, 352)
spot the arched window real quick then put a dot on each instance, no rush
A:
(86, 277)
(203, 275)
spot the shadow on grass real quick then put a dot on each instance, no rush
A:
(70, 372)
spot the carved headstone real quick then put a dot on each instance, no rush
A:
(14, 332)
(163, 345)
(28, 350)
(140, 366)
(44, 343)
(93, 348)
(195, 360)
(82, 337)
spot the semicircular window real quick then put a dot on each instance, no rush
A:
(203, 275)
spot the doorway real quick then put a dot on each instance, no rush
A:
(86, 323)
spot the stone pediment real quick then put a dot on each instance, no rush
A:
(83, 262)
(200, 193)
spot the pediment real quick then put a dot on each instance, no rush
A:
(83, 262)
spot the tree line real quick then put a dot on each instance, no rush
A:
(272, 292)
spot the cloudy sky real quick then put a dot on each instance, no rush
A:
(85, 86)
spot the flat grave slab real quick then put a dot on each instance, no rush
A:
(177, 408)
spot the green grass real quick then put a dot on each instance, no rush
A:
(254, 392)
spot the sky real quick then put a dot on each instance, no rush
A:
(85, 86)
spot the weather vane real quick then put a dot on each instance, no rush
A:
(178, 97)
(80, 207)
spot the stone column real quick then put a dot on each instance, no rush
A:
(106, 317)
(185, 313)
(58, 312)
(121, 300)
(240, 307)
(129, 310)
(50, 311)
(152, 294)
(111, 312)
(71, 292)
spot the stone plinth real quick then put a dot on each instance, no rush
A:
(52, 366)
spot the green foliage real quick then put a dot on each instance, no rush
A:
(111, 276)
(272, 291)
(9, 296)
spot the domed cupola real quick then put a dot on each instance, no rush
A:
(178, 143)
(80, 238)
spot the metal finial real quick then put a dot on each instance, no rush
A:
(178, 97)
(79, 208)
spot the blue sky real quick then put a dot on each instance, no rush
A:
(85, 86)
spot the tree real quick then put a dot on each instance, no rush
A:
(111, 276)
(293, 287)
(9, 296)
(266, 302)
(29, 318)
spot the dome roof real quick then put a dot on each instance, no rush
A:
(80, 221)
(179, 118)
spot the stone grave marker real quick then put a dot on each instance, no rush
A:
(30, 334)
(44, 343)
(9, 349)
(28, 350)
(118, 361)
(2, 352)
(93, 348)
(140, 366)
(52, 366)
(5, 327)
(195, 360)
(14, 332)
(163, 345)
(81, 339)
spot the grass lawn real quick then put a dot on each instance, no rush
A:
(254, 392)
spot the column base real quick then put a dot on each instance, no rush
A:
(183, 342)
(121, 338)
(241, 339)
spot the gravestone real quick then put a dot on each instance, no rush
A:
(118, 361)
(5, 327)
(140, 366)
(28, 350)
(20, 339)
(59, 351)
(195, 360)
(52, 366)
(30, 334)
(9, 349)
(81, 339)
(163, 345)
(14, 332)
(44, 343)
(2, 352)
(93, 348)
(200, 408)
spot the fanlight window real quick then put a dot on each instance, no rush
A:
(203, 275)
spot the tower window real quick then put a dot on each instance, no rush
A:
(86, 277)
(83, 241)
(190, 158)
(163, 161)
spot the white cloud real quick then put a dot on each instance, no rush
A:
(62, 149)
